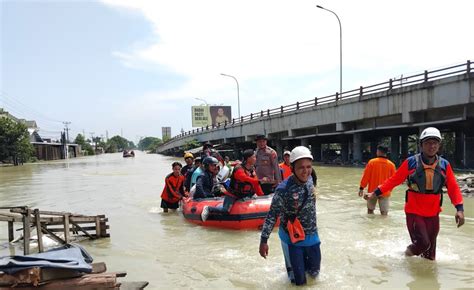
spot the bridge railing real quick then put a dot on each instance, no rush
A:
(360, 92)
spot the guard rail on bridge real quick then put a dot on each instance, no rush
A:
(425, 76)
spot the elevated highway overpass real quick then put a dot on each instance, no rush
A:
(357, 120)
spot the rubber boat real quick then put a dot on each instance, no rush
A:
(128, 153)
(246, 214)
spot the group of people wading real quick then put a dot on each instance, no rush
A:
(293, 182)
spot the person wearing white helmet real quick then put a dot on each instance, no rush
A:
(295, 204)
(426, 174)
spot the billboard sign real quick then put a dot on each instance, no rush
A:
(165, 132)
(220, 114)
(200, 116)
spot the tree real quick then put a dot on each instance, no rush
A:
(149, 143)
(191, 144)
(15, 143)
(118, 143)
(80, 140)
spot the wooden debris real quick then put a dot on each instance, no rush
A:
(50, 222)
(54, 278)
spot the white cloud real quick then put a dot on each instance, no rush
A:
(262, 40)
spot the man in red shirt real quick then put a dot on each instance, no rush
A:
(243, 183)
(376, 172)
(426, 174)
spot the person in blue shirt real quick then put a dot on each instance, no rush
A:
(206, 181)
(294, 199)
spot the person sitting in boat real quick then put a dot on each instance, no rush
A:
(189, 175)
(243, 183)
(205, 182)
(209, 151)
(174, 188)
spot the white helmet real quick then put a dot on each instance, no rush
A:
(300, 152)
(430, 132)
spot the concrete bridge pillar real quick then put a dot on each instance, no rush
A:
(357, 141)
(395, 149)
(278, 148)
(345, 152)
(469, 154)
(459, 149)
(304, 142)
(316, 150)
(404, 147)
(373, 148)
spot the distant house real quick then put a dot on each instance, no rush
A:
(45, 149)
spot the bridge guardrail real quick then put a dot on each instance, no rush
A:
(360, 92)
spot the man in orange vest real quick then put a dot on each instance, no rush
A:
(285, 165)
(173, 191)
(426, 174)
(376, 172)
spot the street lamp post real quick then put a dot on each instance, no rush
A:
(238, 94)
(203, 101)
(340, 48)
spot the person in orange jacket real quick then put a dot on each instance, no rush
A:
(243, 183)
(376, 172)
(285, 166)
(173, 191)
(426, 174)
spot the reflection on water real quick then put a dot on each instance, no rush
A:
(359, 251)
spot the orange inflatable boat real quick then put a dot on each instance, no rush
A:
(245, 214)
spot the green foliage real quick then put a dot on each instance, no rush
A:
(80, 140)
(166, 138)
(188, 145)
(118, 143)
(15, 145)
(149, 143)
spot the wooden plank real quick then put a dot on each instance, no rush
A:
(11, 231)
(91, 228)
(97, 227)
(88, 281)
(11, 219)
(48, 274)
(67, 237)
(26, 232)
(27, 276)
(82, 230)
(53, 236)
(99, 267)
(38, 230)
(133, 285)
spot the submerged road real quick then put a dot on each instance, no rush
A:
(358, 251)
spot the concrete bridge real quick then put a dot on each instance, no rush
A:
(349, 126)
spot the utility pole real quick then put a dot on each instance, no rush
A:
(67, 130)
(92, 140)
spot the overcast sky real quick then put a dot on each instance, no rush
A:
(131, 67)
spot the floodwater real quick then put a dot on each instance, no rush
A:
(359, 251)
